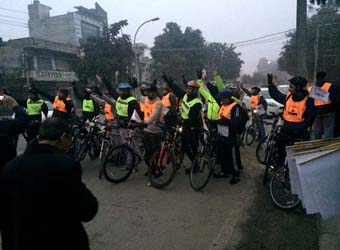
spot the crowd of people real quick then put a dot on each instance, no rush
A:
(44, 181)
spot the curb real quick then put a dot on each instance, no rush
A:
(328, 233)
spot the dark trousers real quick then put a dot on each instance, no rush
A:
(227, 147)
(190, 142)
(33, 130)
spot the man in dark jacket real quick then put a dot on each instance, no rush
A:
(323, 126)
(89, 108)
(10, 129)
(298, 114)
(43, 200)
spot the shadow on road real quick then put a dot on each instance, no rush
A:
(264, 227)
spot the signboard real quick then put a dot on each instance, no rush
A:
(47, 75)
(320, 94)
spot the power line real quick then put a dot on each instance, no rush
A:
(13, 17)
(259, 38)
(13, 24)
(4, 21)
(12, 10)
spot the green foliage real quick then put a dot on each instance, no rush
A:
(328, 21)
(106, 54)
(177, 53)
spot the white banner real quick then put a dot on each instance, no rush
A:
(320, 94)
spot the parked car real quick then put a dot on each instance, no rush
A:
(273, 106)
(50, 110)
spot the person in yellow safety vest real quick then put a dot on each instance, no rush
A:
(170, 102)
(298, 113)
(228, 122)
(212, 106)
(323, 126)
(90, 109)
(257, 101)
(62, 103)
(34, 106)
(125, 105)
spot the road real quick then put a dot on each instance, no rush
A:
(223, 216)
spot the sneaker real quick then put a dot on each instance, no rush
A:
(234, 180)
(221, 175)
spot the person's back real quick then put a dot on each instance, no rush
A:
(43, 201)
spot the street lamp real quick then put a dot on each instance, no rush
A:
(134, 45)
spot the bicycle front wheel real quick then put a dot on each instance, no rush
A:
(119, 163)
(200, 172)
(250, 134)
(262, 151)
(280, 190)
(162, 168)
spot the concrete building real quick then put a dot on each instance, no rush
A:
(69, 28)
(45, 63)
(144, 62)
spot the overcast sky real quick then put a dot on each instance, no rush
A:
(220, 20)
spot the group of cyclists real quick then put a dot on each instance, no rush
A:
(195, 105)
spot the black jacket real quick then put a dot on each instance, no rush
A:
(81, 97)
(296, 128)
(327, 108)
(69, 106)
(9, 131)
(43, 202)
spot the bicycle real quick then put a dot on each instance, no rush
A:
(204, 162)
(271, 151)
(262, 149)
(164, 163)
(88, 140)
(110, 136)
(252, 130)
(122, 159)
(280, 189)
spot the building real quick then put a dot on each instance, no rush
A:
(69, 28)
(144, 62)
(30, 60)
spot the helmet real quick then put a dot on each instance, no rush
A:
(87, 90)
(151, 87)
(193, 84)
(124, 85)
(256, 89)
(225, 94)
(32, 91)
(298, 81)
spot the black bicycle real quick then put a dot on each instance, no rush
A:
(204, 162)
(280, 189)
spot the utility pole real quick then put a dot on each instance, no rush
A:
(316, 50)
(301, 37)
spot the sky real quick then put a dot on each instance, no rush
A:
(227, 21)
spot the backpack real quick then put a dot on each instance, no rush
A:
(244, 118)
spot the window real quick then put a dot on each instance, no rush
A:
(88, 30)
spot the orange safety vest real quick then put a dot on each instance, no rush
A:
(108, 112)
(254, 101)
(166, 100)
(326, 86)
(150, 108)
(225, 111)
(142, 106)
(293, 111)
(59, 105)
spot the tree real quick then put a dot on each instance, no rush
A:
(327, 20)
(177, 53)
(224, 58)
(106, 54)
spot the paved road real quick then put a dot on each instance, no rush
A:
(223, 216)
